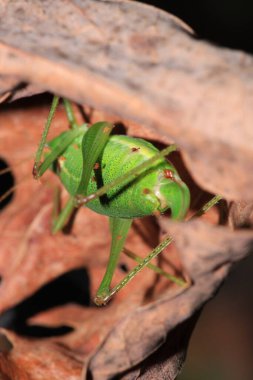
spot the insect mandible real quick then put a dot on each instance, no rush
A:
(118, 176)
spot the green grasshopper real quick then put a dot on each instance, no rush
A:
(115, 175)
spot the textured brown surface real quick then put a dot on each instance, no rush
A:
(119, 337)
(140, 63)
(127, 62)
(28, 360)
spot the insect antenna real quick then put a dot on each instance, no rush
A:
(9, 169)
(8, 185)
(11, 190)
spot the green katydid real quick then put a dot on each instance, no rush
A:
(115, 175)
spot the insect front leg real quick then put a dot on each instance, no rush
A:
(37, 162)
(39, 167)
(64, 141)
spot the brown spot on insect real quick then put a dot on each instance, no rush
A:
(93, 179)
(135, 149)
(119, 237)
(75, 146)
(146, 191)
(61, 159)
(47, 149)
(58, 166)
(96, 166)
(156, 213)
(35, 171)
(168, 174)
(106, 130)
(60, 162)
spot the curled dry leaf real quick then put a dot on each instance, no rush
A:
(124, 57)
(192, 93)
(28, 360)
(241, 214)
(123, 336)
(151, 328)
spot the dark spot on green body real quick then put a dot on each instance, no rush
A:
(135, 149)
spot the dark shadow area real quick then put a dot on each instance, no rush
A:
(119, 129)
(226, 23)
(31, 101)
(7, 182)
(222, 343)
(72, 287)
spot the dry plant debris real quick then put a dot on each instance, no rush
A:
(135, 64)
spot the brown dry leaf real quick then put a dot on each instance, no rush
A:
(142, 331)
(124, 57)
(31, 256)
(241, 214)
(156, 327)
(165, 325)
(134, 63)
(28, 360)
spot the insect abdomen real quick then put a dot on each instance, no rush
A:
(121, 154)
(143, 196)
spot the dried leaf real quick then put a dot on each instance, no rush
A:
(31, 361)
(241, 214)
(146, 329)
(124, 57)
(153, 73)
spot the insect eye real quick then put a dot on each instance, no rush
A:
(167, 173)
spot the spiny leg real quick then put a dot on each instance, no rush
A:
(39, 167)
(156, 269)
(154, 253)
(93, 144)
(37, 162)
(207, 206)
